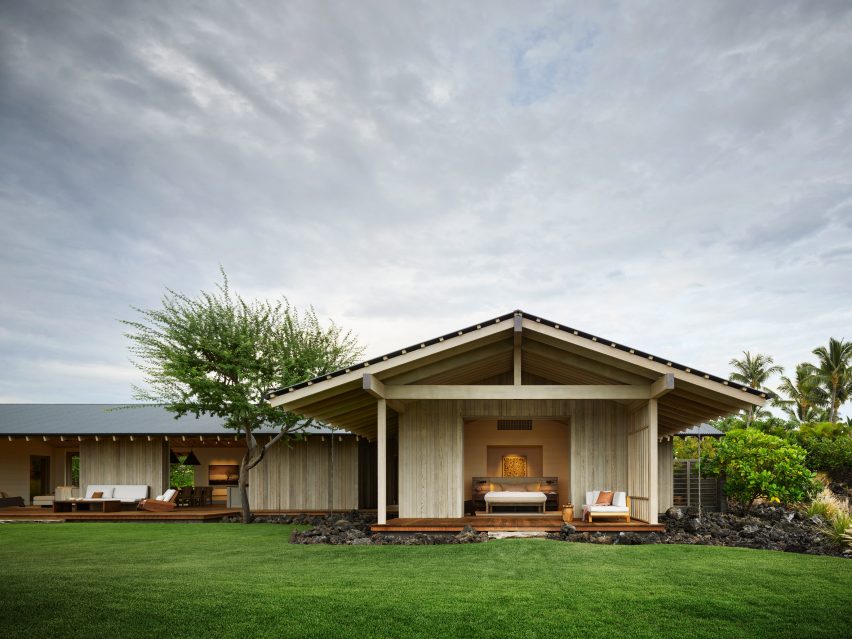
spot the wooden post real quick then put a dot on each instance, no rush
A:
(382, 461)
(653, 488)
(516, 349)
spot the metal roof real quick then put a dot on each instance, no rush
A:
(112, 419)
(534, 318)
(702, 430)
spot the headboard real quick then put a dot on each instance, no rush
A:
(546, 484)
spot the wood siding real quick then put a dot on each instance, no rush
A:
(598, 448)
(665, 455)
(139, 462)
(430, 460)
(298, 477)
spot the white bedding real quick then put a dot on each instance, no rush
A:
(514, 497)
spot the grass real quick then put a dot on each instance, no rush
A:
(221, 580)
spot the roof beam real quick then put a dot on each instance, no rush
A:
(517, 335)
(648, 363)
(291, 398)
(377, 389)
(662, 386)
(503, 392)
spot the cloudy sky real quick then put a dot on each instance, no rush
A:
(675, 176)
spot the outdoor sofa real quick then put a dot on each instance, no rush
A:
(126, 493)
(619, 508)
(6, 500)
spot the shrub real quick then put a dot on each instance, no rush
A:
(840, 528)
(828, 449)
(825, 504)
(757, 465)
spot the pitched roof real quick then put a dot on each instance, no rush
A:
(109, 419)
(703, 430)
(550, 354)
(508, 316)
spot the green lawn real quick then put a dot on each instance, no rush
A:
(229, 580)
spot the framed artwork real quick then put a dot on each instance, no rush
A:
(514, 466)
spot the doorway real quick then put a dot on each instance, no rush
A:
(39, 476)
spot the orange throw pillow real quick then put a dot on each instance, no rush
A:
(98, 495)
(605, 498)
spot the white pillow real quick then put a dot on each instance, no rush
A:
(158, 498)
(167, 496)
(107, 490)
(619, 499)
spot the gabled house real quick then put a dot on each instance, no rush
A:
(511, 399)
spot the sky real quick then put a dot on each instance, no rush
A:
(673, 176)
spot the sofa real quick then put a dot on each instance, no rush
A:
(620, 507)
(60, 494)
(127, 493)
(6, 500)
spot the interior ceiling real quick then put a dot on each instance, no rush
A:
(544, 361)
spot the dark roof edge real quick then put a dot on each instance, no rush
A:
(594, 338)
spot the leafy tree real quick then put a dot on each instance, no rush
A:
(828, 446)
(217, 354)
(755, 371)
(180, 475)
(807, 399)
(834, 372)
(758, 465)
(687, 447)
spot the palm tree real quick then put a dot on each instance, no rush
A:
(834, 372)
(754, 370)
(807, 400)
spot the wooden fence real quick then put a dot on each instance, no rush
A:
(686, 486)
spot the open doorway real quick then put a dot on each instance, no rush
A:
(516, 456)
(39, 476)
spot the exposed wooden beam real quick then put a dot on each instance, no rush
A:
(377, 389)
(459, 362)
(516, 349)
(662, 386)
(414, 357)
(638, 362)
(483, 391)
(373, 386)
(564, 357)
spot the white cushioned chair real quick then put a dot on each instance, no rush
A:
(620, 507)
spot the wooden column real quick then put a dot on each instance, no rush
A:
(516, 350)
(653, 484)
(382, 462)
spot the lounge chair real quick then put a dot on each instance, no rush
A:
(161, 503)
(619, 508)
(6, 500)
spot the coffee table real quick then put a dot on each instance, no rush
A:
(81, 505)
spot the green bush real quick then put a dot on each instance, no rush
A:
(828, 446)
(757, 465)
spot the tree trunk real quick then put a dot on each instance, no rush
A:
(833, 414)
(243, 484)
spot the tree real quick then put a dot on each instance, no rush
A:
(217, 354)
(756, 465)
(807, 400)
(754, 370)
(834, 372)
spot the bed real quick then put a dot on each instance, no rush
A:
(515, 498)
(515, 492)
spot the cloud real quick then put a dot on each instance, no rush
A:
(674, 180)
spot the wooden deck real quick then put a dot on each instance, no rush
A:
(192, 515)
(510, 524)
